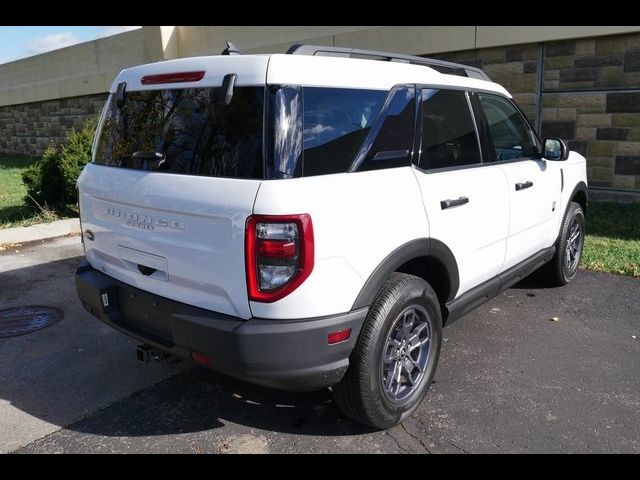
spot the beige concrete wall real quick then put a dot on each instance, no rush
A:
(83, 69)
(206, 40)
(198, 40)
(89, 68)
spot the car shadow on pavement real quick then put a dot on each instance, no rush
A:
(533, 282)
(77, 367)
(200, 399)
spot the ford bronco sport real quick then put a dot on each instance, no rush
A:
(313, 219)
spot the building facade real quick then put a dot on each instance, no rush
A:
(578, 83)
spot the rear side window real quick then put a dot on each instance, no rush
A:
(512, 137)
(448, 132)
(336, 121)
(185, 131)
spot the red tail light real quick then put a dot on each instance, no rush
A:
(177, 77)
(279, 255)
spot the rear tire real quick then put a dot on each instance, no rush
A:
(563, 267)
(393, 363)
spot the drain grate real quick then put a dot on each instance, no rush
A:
(22, 320)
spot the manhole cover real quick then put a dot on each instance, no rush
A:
(21, 320)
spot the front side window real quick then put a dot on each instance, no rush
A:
(448, 132)
(512, 137)
(185, 131)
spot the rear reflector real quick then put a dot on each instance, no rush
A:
(201, 358)
(339, 336)
(178, 77)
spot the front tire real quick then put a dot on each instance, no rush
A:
(393, 363)
(563, 267)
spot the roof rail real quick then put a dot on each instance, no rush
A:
(439, 65)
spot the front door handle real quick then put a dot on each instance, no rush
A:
(524, 185)
(453, 202)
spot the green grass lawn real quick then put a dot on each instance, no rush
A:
(613, 239)
(13, 211)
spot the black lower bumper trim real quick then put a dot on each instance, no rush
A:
(286, 354)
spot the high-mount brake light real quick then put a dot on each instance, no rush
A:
(278, 255)
(177, 77)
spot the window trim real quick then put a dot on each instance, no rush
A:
(475, 125)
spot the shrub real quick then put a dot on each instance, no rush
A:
(51, 181)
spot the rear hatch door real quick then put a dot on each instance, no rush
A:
(174, 178)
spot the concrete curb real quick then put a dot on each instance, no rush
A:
(42, 231)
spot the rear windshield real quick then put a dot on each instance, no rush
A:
(185, 131)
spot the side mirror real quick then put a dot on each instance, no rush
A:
(555, 149)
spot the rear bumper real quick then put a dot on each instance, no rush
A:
(286, 354)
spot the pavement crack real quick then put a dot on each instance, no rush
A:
(456, 446)
(396, 441)
(416, 437)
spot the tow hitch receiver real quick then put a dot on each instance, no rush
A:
(145, 353)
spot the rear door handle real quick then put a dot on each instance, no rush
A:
(453, 202)
(524, 185)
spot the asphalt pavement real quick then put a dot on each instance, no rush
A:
(510, 379)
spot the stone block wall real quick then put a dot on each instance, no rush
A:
(515, 68)
(604, 127)
(29, 128)
(586, 91)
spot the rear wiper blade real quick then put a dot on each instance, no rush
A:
(148, 156)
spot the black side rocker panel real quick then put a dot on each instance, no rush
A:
(496, 285)
(422, 247)
(493, 287)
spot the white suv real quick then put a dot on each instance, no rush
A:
(310, 219)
